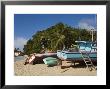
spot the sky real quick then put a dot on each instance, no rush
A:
(26, 25)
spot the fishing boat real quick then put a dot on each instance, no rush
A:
(83, 47)
(38, 58)
(85, 51)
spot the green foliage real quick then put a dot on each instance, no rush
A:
(57, 37)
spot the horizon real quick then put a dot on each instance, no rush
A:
(26, 25)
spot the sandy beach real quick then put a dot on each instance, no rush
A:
(43, 70)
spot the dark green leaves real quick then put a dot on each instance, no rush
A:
(56, 38)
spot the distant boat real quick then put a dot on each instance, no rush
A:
(17, 53)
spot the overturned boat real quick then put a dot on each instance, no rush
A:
(38, 58)
(50, 61)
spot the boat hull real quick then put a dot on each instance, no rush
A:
(50, 61)
(75, 55)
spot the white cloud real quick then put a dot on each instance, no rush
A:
(87, 24)
(19, 42)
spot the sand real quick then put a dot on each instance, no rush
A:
(43, 70)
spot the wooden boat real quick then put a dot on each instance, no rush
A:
(38, 58)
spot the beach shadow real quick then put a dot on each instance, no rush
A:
(80, 64)
(51, 65)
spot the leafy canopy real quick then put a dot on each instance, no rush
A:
(56, 38)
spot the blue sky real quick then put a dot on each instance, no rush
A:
(26, 25)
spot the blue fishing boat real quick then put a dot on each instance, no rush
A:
(85, 50)
(89, 48)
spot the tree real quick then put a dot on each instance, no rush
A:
(56, 38)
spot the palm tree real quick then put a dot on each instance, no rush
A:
(60, 42)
